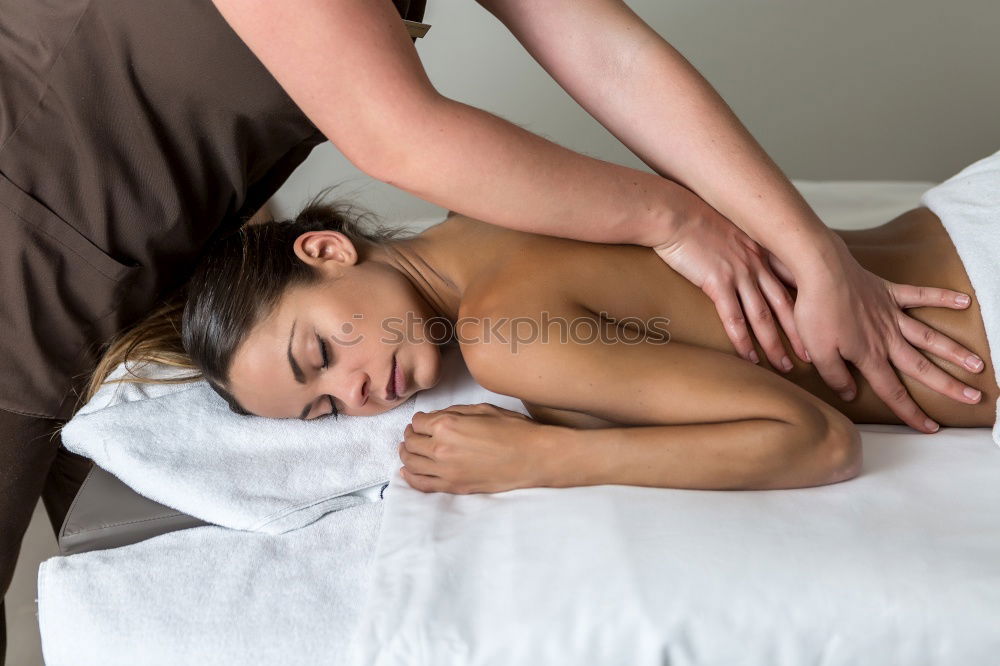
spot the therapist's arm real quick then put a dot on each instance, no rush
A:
(353, 70)
(640, 88)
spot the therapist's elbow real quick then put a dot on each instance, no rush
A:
(394, 146)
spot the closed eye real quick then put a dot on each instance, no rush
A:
(322, 350)
(326, 364)
(333, 411)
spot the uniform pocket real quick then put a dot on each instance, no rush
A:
(41, 220)
(59, 295)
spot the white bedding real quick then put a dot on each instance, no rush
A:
(898, 566)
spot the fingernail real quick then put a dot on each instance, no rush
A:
(808, 357)
(786, 363)
(753, 357)
(847, 396)
(972, 394)
(974, 363)
(962, 300)
(930, 425)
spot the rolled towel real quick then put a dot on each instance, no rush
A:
(181, 445)
(968, 204)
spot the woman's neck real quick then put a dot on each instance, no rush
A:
(437, 263)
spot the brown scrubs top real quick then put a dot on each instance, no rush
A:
(131, 131)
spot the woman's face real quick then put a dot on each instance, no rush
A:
(334, 345)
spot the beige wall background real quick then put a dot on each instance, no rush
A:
(844, 90)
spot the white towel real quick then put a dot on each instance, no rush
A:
(969, 207)
(212, 596)
(182, 446)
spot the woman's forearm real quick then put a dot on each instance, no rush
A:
(468, 160)
(757, 454)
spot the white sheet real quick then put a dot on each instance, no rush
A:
(212, 596)
(898, 566)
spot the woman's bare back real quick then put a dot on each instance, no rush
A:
(627, 282)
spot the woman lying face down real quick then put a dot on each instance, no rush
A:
(622, 363)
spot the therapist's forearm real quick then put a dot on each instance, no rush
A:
(470, 161)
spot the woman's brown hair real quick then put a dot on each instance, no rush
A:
(236, 284)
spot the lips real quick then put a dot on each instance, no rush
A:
(400, 386)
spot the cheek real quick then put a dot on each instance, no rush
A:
(429, 365)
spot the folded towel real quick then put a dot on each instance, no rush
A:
(181, 445)
(969, 207)
(212, 596)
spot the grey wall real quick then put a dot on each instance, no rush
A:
(833, 89)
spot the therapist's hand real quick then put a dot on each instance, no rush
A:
(733, 270)
(844, 312)
(466, 449)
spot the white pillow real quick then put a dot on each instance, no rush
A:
(181, 445)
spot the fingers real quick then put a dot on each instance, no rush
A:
(735, 324)
(924, 337)
(415, 462)
(781, 270)
(423, 421)
(887, 386)
(833, 370)
(423, 482)
(782, 305)
(914, 364)
(909, 296)
(764, 326)
(418, 443)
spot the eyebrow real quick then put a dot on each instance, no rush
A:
(297, 371)
(300, 376)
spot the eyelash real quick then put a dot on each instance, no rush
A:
(326, 364)
(322, 350)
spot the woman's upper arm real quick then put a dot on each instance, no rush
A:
(350, 65)
(619, 379)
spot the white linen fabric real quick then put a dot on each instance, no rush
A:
(897, 566)
(212, 596)
(968, 204)
(181, 445)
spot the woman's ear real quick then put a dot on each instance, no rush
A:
(326, 249)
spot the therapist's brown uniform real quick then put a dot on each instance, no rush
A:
(131, 131)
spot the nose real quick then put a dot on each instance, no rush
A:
(352, 390)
